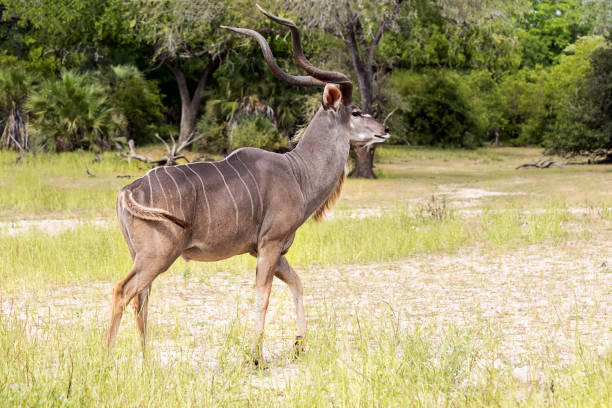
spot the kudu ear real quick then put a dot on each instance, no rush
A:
(331, 97)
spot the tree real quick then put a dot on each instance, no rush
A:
(184, 36)
(584, 125)
(73, 33)
(436, 108)
(361, 24)
(549, 27)
(14, 86)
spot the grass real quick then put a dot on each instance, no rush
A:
(92, 252)
(354, 356)
(58, 186)
(359, 363)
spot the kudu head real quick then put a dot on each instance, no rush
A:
(359, 128)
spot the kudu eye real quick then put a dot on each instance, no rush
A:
(356, 113)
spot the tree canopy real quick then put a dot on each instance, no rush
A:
(460, 73)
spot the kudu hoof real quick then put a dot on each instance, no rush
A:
(260, 364)
(298, 347)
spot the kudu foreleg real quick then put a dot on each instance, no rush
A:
(285, 272)
(267, 260)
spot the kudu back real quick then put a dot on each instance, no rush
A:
(253, 201)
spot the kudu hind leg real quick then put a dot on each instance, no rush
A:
(117, 305)
(134, 283)
(141, 311)
(285, 272)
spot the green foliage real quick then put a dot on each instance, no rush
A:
(424, 38)
(436, 108)
(584, 125)
(550, 26)
(139, 101)
(67, 34)
(255, 132)
(73, 112)
(15, 83)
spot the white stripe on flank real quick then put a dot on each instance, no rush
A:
(150, 191)
(162, 188)
(228, 190)
(205, 198)
(192, 185)
(245, 186)
(177, 190)
(254, 181)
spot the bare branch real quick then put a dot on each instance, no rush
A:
(163, 141)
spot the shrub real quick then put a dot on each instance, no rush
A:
(73, 112)
(255, 132)
(585, 124)
(137, 99)
(436, 108)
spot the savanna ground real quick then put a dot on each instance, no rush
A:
(452, 280)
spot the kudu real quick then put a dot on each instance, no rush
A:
(253, 201)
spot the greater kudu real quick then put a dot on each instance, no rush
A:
(253, 201)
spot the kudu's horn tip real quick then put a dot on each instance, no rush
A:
(276, 19)
(230, 28)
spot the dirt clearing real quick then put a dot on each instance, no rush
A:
(541, 301)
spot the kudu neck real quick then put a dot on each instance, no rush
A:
(319, 158)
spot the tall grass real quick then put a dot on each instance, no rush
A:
(90, 251)
(348, 363)
(43, 184)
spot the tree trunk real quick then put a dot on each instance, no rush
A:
(363, 156)
(188, 120)
(15, 134)
(190, 105)
(364, 162)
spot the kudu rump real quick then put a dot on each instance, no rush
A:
(253, 201)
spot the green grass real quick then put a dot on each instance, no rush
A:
(357, 363)
(59, 184)
(353, 358)
(91, 252)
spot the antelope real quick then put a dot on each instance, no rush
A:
(253, 201)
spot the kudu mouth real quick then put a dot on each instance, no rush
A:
(378, 139)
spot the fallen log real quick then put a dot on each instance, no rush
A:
(544, 164)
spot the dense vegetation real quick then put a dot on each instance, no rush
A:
(90, 74)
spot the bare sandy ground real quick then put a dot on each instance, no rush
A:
(50, 226)
(541, 301)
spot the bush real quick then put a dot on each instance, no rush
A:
(436, 108)
(73, 112)
(137, 99)
(255, 132)
(585, 125)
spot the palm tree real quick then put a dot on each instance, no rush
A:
(73, 112)
(14, 86)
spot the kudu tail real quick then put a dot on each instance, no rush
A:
(148, 213)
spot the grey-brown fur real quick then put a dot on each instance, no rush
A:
(253, 201)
